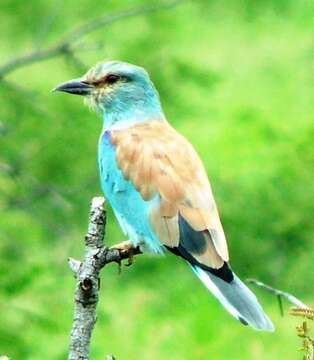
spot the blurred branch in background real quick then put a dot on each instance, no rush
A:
(97, 255)
(67, 44)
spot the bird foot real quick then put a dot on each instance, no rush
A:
(125, 248)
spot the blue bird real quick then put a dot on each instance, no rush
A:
(157, 185)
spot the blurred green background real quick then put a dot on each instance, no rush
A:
(236, 78)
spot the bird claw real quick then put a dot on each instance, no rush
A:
(130, 259)
(129, 263)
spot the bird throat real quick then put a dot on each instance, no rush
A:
(129, 116)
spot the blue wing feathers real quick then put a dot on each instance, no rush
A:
(130, 209)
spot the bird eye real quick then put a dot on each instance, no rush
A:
(112, 78)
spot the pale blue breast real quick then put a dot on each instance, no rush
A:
(130, 209)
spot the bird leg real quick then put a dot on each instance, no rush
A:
(130, 259)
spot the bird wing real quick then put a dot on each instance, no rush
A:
(157, 159)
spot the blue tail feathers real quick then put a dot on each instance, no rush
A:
(237, 299)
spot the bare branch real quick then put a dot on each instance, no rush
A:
(280, 294)
(65, 46)
(88, 281)
(34, 56)
(86, 293)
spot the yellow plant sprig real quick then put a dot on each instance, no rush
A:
(304, 332)
(308, 313)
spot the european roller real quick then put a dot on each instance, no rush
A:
(157, 185)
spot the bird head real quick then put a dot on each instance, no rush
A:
(116, 88)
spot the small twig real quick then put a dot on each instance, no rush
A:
(279, 298)
(301, 309)
(88, 281)
(65, 46)
(280, 294)
(74, 265)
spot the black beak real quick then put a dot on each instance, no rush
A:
(76, 87)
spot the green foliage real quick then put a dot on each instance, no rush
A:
(236, 79)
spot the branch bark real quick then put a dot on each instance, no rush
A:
(88, 281)
(65, 46)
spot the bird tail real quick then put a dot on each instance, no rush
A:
(237, 298)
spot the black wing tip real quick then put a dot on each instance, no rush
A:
(224, 273)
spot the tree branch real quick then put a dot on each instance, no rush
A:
(88, 281)
(65, 46)
(280, 294)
